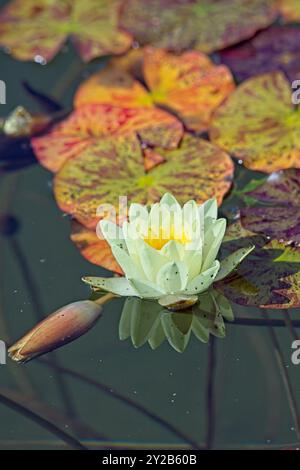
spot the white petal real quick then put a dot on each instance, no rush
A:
(139, 219)
(172, 277)
(208, 214)
(195, 245)
(152, 261)
(127, 263)
(133, 245)
(173, 250)
(171, 215)
(212, 242)
(160, 222)
(230, 263)
(155, 219)
(173, 224)
(169, 200)
(202, 282)
(137, 211)
(146, 289)
(131, 236)
(116, 285)
(166, 218)
(191, 220)
(193, 261)
(211, 209)
(112, 233)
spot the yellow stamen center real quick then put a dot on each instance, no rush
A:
(160, 238)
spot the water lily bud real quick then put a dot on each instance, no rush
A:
(21, 123)
(58, 329)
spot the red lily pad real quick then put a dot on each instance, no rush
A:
(280, 218)
(189, 85)
(114, 167)
(204, 25)
(36, 29)
(95, 122)
(259, 124)
(277, 48)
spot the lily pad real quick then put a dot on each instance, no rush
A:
(190, 85)
(263, 278)
(277, 48)
(205, 25)
(259, 125)
(280, 219)
(114, 167)
(260, 280)
(291, 293)
(290, 290)
(91, 124)
(37, 29)
(290, 10)
(131, 62)
(113, 86)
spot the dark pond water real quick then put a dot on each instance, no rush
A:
(237, 392)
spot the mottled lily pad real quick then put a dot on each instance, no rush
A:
(277, 48)
(189, 85)
(205, 25)
(93, 123)
(290, 10)
(262, 279)
(36, 29)
(279, 217)
(290, 289)
(113, 86)
(114, 167)
(259, 125)
(291, 292)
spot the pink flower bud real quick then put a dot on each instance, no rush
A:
(56, 330)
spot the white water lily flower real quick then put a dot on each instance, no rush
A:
(168, 253)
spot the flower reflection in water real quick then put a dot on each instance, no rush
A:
(147, 321)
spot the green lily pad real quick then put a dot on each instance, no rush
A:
(37, 29)
(205, 25)
(259, 125)
(112, 168)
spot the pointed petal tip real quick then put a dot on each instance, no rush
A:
(169, 199)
